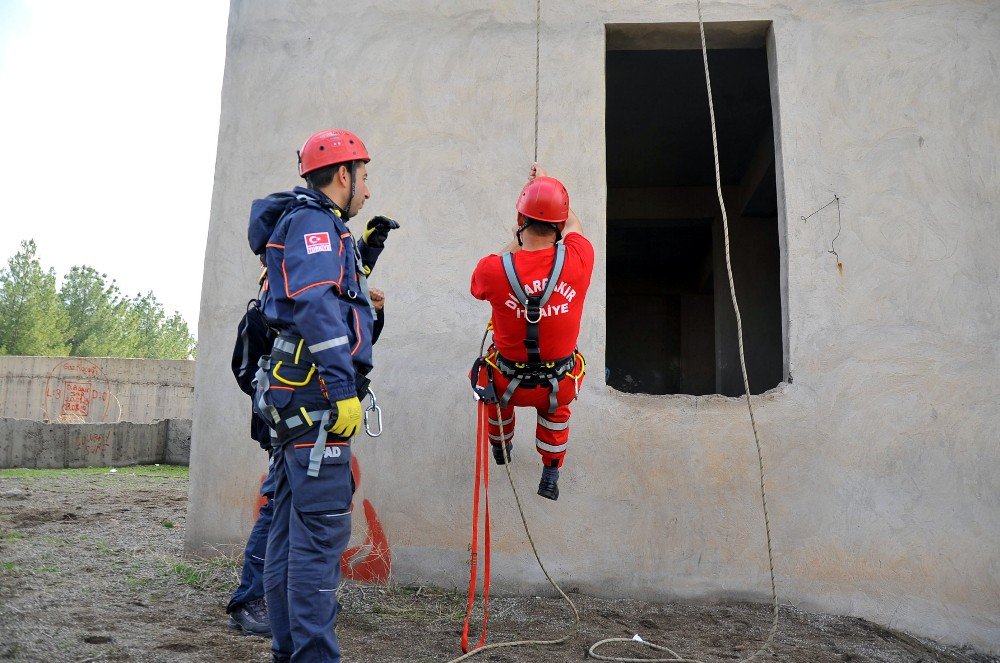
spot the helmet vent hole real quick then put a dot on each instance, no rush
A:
(321, 148)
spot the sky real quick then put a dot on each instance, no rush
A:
(109, 119)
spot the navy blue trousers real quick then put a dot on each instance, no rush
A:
(309, 532)
(252, 579)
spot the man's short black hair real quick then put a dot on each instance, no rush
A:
(322, 177)
(539, 228)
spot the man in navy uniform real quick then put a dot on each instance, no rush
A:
(309, 388)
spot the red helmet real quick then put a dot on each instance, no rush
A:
(544, 199)
(330, 146)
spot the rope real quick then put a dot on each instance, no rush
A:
(538, 31)
(746, 386)
(531, 540)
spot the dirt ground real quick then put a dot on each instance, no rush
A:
(91, 569)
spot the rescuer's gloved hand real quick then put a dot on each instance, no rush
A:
(377, 231)
(346, 417)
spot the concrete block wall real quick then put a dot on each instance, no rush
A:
(95, 390)
(35, 444)
(882, 450)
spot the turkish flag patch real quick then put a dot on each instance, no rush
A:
(316, 242)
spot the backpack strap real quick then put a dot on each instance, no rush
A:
(533, 303)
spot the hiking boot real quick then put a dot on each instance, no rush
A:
(251, 618)
(548, 487)
(498, 453)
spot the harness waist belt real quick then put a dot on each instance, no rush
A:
(536, 372)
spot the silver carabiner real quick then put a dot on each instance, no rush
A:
(373, 407)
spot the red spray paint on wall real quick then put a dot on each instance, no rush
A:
(370, 562)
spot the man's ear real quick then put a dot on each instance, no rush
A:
(343, 175)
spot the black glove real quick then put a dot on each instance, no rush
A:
(377, 231)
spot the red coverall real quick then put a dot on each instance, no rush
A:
(558, 332)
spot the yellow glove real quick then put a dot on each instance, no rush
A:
(348, 417)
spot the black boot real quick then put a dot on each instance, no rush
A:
(498, 452)
(251, 618)
(548, 487)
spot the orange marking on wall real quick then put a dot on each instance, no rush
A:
(261, 499)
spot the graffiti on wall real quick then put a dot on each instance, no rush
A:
(77, 392)
(93, 443)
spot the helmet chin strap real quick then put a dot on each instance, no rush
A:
(528, 221)
(353, 174)
(524, 226)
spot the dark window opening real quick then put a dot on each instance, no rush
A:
(670, 322)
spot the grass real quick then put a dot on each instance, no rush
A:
(11, 536)
(190, 575)
(166, 471)
(8, 566)
(168, 524)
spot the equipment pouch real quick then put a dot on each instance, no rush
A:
(481, 378)
(332, 490)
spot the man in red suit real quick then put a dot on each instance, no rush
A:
(537, 286)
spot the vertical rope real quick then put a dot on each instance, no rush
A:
(746, 386)
(739, 331)
(538, 32)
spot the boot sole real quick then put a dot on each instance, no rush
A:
(236, 626)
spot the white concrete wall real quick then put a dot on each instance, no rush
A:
(882, 452)
(95, 390)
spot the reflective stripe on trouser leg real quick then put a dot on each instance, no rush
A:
(507, 420)
(552, 435)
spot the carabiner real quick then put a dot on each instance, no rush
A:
(373, 407)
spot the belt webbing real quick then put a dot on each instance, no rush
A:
(482, 478)
(533, 303)
(316, 454)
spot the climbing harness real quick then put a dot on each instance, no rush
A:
(483, 367)
(289, 351)
(534, 371)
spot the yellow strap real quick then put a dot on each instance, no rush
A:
(305, 415)
(298, 350)
(309, 375)
(583, 367)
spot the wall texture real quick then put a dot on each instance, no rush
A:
(882, 449)
(95, 390)
(37, 444)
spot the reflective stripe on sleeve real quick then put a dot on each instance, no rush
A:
(326, 345)
(505, 422)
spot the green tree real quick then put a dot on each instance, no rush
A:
(150, 333)
(32, 319)
(96, 311)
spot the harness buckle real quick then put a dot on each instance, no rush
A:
(527, 316)
(373, 407)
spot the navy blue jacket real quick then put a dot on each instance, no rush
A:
(315, 272)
